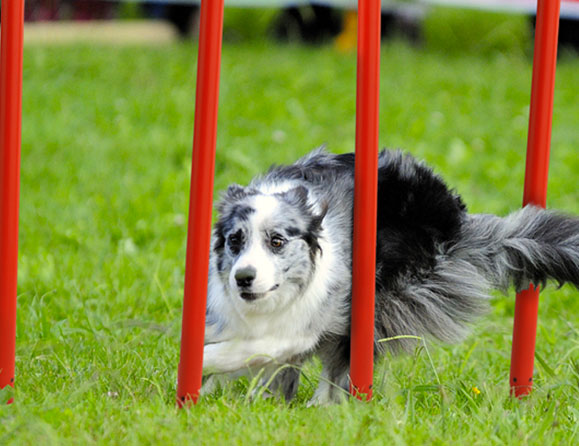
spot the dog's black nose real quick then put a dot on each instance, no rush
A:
(245, 276)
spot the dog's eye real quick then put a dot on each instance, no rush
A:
(234, 239)
(277, 241)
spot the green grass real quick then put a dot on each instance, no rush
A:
(105, 173)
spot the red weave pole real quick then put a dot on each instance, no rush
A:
(535, 192)
(10, 135)
(365, 199)
(201, 202)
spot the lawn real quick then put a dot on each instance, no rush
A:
(106, 157)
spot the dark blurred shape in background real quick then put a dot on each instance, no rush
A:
(309, 23)
(312, 23)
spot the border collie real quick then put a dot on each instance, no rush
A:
(281, 262)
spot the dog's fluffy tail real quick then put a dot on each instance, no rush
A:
(529, 246)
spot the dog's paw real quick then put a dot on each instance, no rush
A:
(262, 392)
(213, 358)
(322, 395)
(328, 393)
(326, 400)
(316, 402)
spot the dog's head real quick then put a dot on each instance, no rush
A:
(266, 245)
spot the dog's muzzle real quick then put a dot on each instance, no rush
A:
(249, 296)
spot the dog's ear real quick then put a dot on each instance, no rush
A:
(298, 196)
(236, 192)
(233, 193)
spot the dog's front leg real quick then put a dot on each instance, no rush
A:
(212, 333)
(230, 356)
(216, 332)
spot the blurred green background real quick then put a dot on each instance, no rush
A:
(106, 158)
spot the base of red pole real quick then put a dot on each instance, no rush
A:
(523, 351)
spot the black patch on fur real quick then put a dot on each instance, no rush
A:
(238, 212)
(236, 241)
(346, 160)
(293, 232)
(416, 212)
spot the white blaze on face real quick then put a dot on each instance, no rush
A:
(256, 254)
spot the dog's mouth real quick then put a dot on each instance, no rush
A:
(249, 297)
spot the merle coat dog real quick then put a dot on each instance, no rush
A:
(280, 268)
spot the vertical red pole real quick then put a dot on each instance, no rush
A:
(10, 134)
(201, 201)
(365, 199)
(535, 192)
